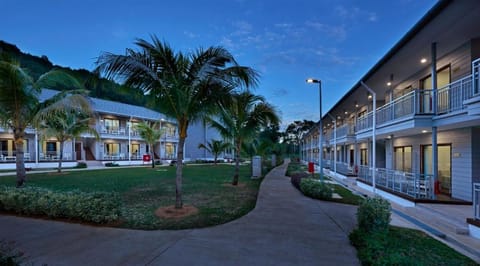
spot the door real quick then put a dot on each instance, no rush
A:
(78, 151)
(444, 166)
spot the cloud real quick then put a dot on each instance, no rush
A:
(355, 14)
(337, 32)
(279, 92)
(242, 28)
(190, 34)
(120, 33)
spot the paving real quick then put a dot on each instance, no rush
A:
(285, 228)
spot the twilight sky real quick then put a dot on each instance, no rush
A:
(336, 41)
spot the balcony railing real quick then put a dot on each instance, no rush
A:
(476, 200)
(409, 184)
(449, 99)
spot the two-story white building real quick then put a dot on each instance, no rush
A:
(425, 121)
(119, 140)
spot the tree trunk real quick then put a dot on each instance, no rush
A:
(60, 158)
(19, 161)
(152, 155)
(215, 159)
(237, 163)
(179, 174)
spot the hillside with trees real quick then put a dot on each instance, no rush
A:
(98, 87)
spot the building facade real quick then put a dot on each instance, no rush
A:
(119, 140)
(411, 125)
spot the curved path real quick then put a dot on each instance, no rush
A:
(285, 228)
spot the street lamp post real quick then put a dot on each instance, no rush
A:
(374, 126)
(320, 127)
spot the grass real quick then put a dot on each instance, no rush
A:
(144, 189)
(402, 246)
(298, 169)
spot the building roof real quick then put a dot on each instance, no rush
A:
(114, 108)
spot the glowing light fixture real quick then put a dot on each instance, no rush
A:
(423, 60)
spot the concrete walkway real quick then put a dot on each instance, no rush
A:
(285, 228)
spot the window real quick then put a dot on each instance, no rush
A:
(363, 157)
(135, 150)
(443, 79)
(112, 149)
(112, 124)
(403, 159)
(7, 147)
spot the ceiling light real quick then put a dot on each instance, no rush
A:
(346, 112)
(424, 131)
(369, 96)
(423, 60)
(389, 83)
(356, 105)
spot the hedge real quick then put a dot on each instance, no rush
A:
(96, 207)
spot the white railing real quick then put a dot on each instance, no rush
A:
(476, 200)
(451, 97)
(409, 184)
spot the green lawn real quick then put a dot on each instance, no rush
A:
(144, 189)
(402, 246)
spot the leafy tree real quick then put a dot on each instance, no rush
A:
(151, 133)
(186, 87)
(295, 132)
(67, 125)
(215, 147)
(242, 120)
(20, 105)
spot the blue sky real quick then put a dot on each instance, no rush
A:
(286, 41)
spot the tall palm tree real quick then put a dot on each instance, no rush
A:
(67, 125)
(151, 133)
(242, 120)
(215, 147)
(20, 104)
(186, 87)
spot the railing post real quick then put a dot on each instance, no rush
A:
(476, 200)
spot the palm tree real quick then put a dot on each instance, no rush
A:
(20, 104)
(67, 125)
(215, 147)
(151, 133)
(186, 87)
(242, 120)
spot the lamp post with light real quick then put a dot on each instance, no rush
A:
(320, 126)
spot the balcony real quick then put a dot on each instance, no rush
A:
(450, 99)
(411, 185)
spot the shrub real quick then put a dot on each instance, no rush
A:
(297, 177)
(315, 189)
(96, 207)
(373, 215)
(9, 254)
(111, 164)
(81, 165)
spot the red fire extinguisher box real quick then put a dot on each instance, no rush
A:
(146, 157)
(311, 167)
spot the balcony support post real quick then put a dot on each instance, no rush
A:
(434, 109)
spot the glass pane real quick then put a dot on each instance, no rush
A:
(427, 160)
(398, 158)
(407, 157)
